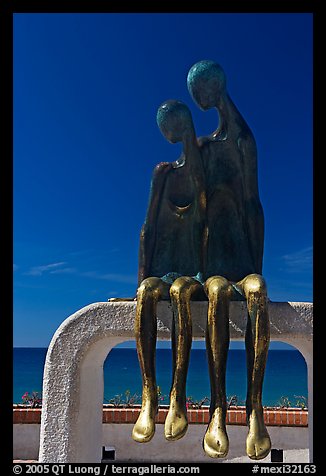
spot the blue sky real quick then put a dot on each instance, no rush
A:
(86, 91)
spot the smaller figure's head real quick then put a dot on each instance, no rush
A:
(206, 83)
(174, 120)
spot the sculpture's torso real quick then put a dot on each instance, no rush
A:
(179, 226)
(228, 249)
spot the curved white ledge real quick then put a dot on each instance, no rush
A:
(71, 426)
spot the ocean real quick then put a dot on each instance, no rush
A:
(286, 375)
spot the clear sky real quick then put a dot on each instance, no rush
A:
(86, 91)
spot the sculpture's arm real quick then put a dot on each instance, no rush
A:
(254, 210)
(148, 231)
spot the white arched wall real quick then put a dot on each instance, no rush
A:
(305, 347)
(71, 425)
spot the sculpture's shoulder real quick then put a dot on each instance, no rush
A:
(159, 176)
(203, 141)
(161, 169)
(246, 138)
(247, 144)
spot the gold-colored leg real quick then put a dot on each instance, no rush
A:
(182, 289)
(149, 292)
(258, 442)
(218, 290)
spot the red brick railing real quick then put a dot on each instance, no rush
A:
(235, 415)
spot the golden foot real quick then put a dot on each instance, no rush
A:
(144, 428)
(258, 443)
(176, 423)
(216, 441)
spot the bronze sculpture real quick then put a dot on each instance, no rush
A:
(171, 251)
(204, 218)
(234, 256)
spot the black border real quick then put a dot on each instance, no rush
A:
(6, 201)
(8, 9)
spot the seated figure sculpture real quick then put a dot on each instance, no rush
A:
(234, 256)
(204, 218)
(171, 264)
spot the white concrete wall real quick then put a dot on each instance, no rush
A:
(26, 441)
(188, 449)
(73, 372)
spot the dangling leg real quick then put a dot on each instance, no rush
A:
(218, 290)
(149, 292)
(258, 443)
(182, 289)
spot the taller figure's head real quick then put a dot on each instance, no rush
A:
(206, 84)
(174, 120)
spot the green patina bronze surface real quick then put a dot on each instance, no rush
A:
(203, 238)
(173, 233)
(235, 217)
